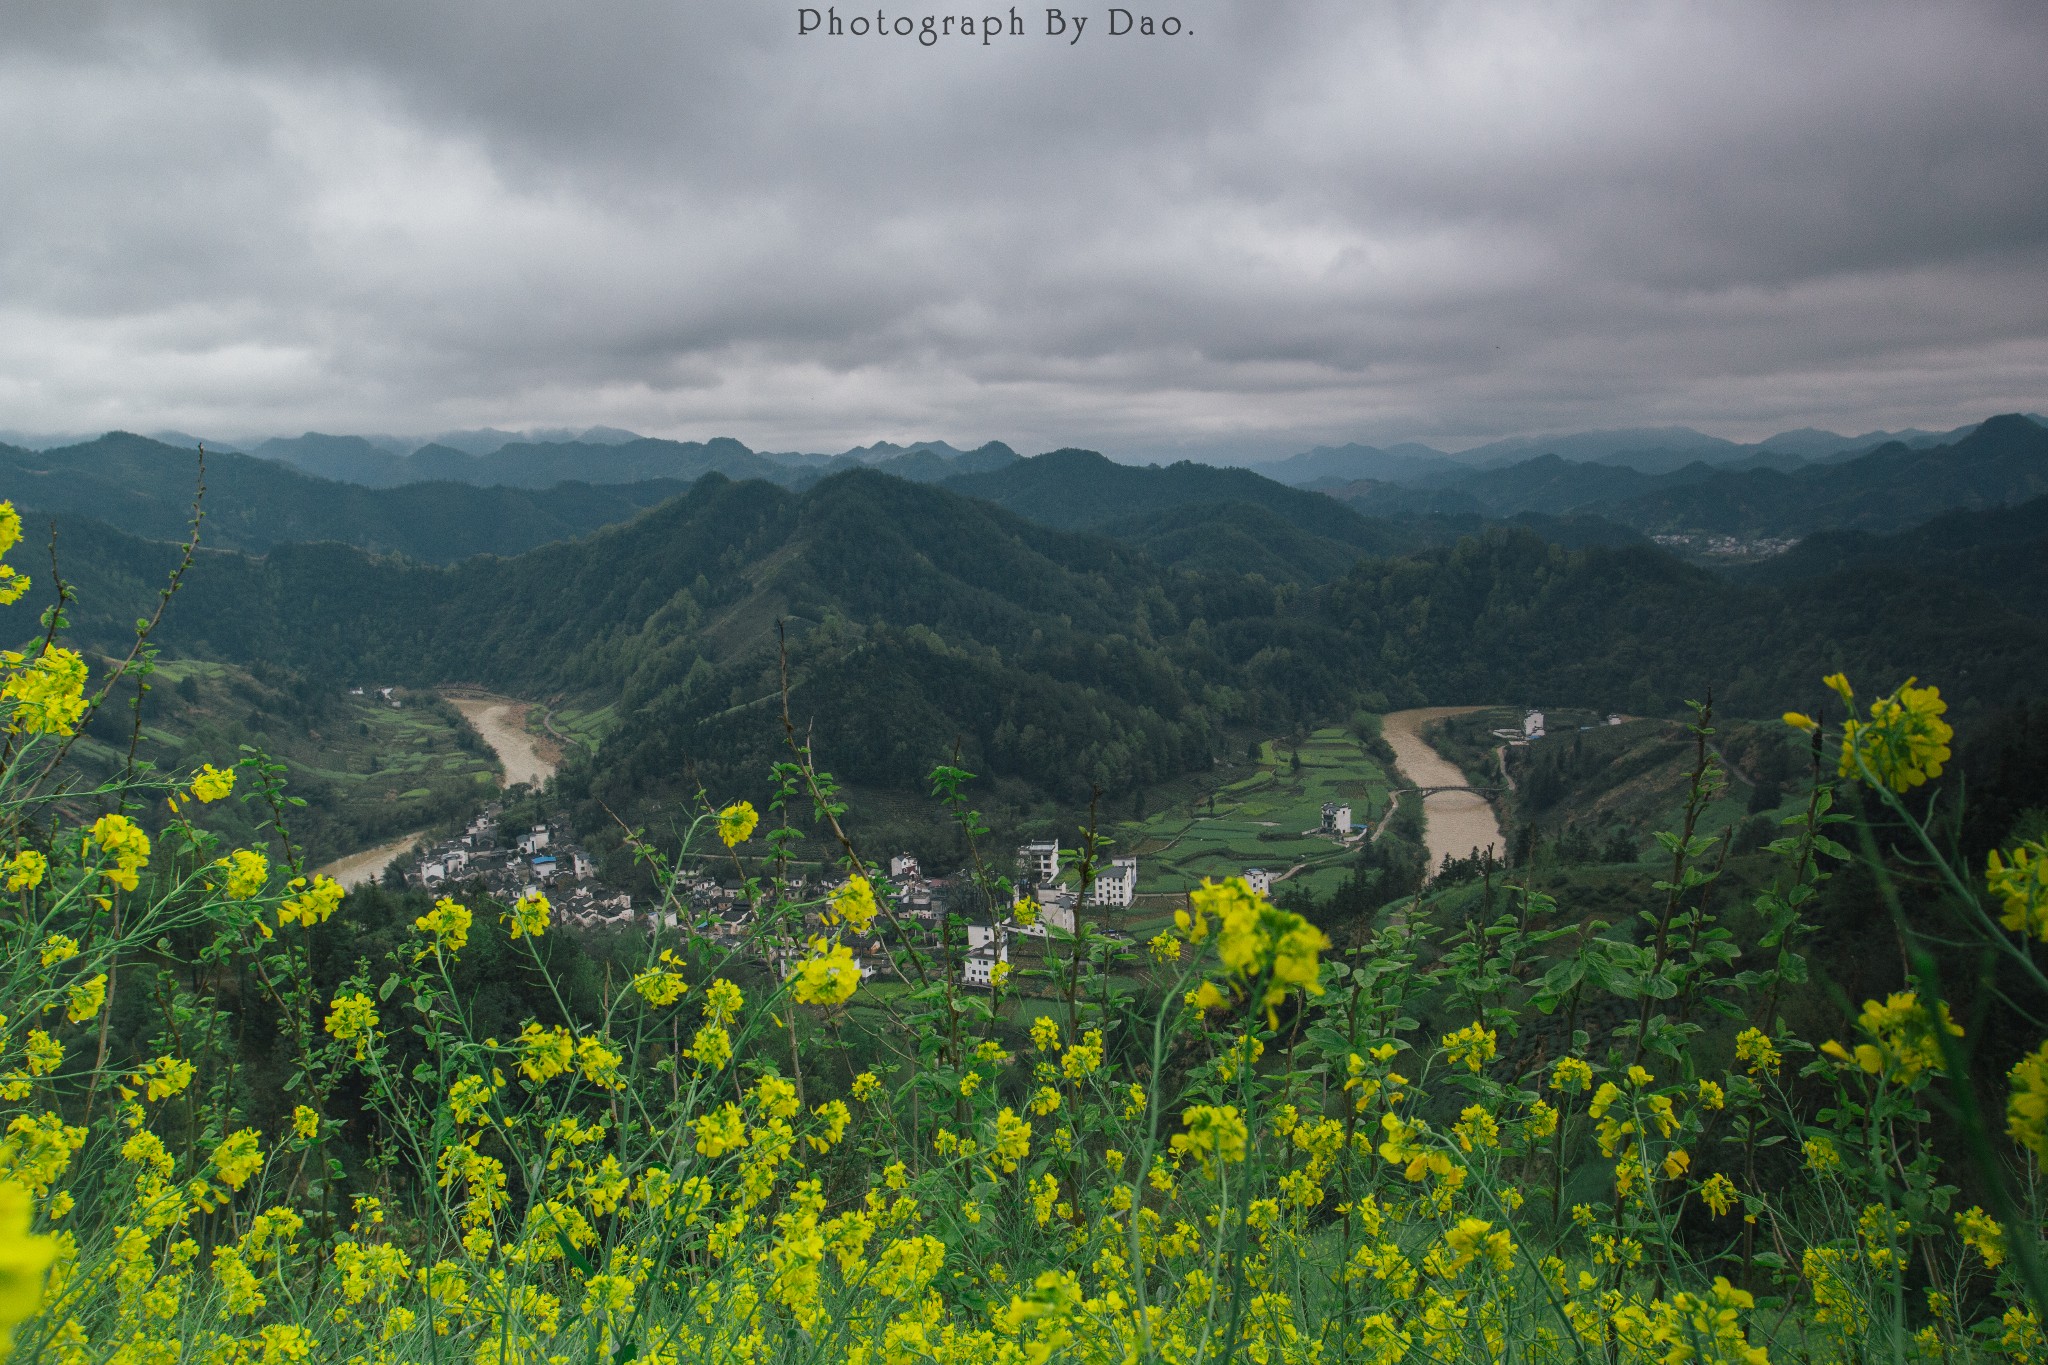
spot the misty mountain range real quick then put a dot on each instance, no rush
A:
(1066, 618)
(442, 503)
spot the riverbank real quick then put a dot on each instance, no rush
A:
(364, 868)
(1454, 823)
(523, 757)
(502, 723)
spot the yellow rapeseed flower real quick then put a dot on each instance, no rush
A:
(853, 904)
(123, 840)
(2022, 888)
(529, 915)
(1215, 1133)
(2026, 1113)
(85, 999)
(1905, 741)
(211, 784)
(24, 1260)
(26, 870)
(13, 583)
(353, 1018)
(448, 922)
(248, 872)
(736, 823)
(312, 903)
(239, 1157)
(1471, 1046)
(827, 975)
(48, 692)
(1474, 1239)
(722, 1001)
(1980, 1231)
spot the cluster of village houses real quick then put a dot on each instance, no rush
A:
(512, 863)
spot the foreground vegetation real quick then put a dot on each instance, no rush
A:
(1232, 1143)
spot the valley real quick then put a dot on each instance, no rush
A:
(1454, 822)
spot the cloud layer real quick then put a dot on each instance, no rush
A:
(1299, 222)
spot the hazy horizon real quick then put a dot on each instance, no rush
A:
(1288, 226)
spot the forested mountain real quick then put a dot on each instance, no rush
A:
(604, 456)
(923, 623)
(2002, 461)
(145, 488)
(2005, 460)
(2003, 551)
(1653, 450)
(1330, 465)
(1080, 489)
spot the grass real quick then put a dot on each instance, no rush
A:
(1256, 818)
(369, 771)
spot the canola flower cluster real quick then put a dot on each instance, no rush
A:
(1280, 1163)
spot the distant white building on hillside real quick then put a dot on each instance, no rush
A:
(904, 867)
(1258, 879)
(1532, 725)
(1055, 911)
(1336, 818)
(1039, 862)
(1117, 885)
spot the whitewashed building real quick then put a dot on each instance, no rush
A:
(1336, 818)
(1117, 885)
(978, 966)
(1258, 879)
(1055, 911)
(1039, 862)
(1532, 725)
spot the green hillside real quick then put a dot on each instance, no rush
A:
(145, 488)
(368, 771)
(925, 625)
(2000, 462)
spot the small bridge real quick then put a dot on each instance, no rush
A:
(1395, 794)
(1432, 791)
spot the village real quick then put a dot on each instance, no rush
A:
(940, 917)
(508, 864)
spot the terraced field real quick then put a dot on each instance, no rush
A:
(1258, 820)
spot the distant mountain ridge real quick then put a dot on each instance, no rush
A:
(2000, 461)
(145, 488)
(928, 626)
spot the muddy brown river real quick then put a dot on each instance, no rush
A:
(501, 723)
(1453, 823)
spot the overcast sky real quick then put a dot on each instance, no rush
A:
(1293, 223)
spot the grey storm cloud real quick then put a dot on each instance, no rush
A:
(1296, 222)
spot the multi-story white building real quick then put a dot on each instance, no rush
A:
(1336, 818)
(1258, 879)
(1116, 885)
(903, 867)
(978, 967)
(1055, 911)
(1039, 862)
(1532, 725)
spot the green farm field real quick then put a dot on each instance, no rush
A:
(1258, 819)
